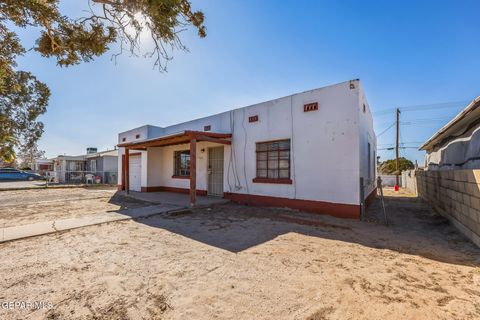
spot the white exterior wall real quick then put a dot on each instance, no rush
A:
(161, 166)
(367, 135)
(328, 146)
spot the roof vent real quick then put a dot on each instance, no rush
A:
(310, 107)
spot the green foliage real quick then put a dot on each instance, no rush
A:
(72, 41)
(28, 154)
(389, 166)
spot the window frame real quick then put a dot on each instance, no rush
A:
(177, 160)
(278, 179)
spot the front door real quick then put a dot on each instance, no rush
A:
(135, 172)
(215, 171)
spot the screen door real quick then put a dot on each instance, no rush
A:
(215, 171)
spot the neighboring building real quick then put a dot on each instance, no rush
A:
(457, 144)
(313, 151)
(103, 164)
(42, 166)
(450, 182)
(74, 169)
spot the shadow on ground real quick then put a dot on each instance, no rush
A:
(413, 228)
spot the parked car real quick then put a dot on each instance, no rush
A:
(12, 174)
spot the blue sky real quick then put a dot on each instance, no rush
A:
(406, 53)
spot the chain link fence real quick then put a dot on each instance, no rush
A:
(82, 177)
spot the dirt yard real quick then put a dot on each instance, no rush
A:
(236, 262)
(22, 207)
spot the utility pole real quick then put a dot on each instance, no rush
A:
(397, 162)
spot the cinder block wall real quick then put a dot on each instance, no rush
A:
(454, 194)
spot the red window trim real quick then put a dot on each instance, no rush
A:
(271, 180)
(180, 177)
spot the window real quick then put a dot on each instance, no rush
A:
(273, 161)
(137, 136)
(182, 163)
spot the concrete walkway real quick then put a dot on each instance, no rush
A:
(41, 228)
(173, 198)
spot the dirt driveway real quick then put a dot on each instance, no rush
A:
(22, 207)
(237, 262)
(21, 184)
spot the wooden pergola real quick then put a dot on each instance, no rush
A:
(183, 137)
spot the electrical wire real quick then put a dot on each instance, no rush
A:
(293, 150)
(391, 126)
(422, 107)
(245, 151)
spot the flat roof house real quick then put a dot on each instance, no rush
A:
(313, 151)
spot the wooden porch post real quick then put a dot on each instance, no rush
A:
(193, 173)
(127, 170)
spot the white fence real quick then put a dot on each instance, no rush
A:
(389, 180)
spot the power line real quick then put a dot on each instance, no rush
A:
(391, 126)
(393, 148)
(422, 107)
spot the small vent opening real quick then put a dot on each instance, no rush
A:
(310, 107)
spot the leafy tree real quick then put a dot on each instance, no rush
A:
(71, 41)
(389, 166)
(28, 154)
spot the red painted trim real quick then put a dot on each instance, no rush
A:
(340, 210)
(180, 177)
(172, 189)
(270, 180)
(135, 154)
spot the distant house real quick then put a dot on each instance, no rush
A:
(103, 164)
(313, 151)
(76, 169)
(42, 166)
(457, 144)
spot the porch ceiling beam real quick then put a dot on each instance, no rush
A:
(210, 139)
(183, 138)
(209, 134)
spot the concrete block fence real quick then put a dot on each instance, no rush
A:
(454, 194)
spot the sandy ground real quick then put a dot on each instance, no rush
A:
(236, 262)
(22, 207)
(21, 184)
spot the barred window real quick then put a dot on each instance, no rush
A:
(182, 163)
(273, 159)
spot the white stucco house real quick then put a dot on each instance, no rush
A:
(313, 151)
